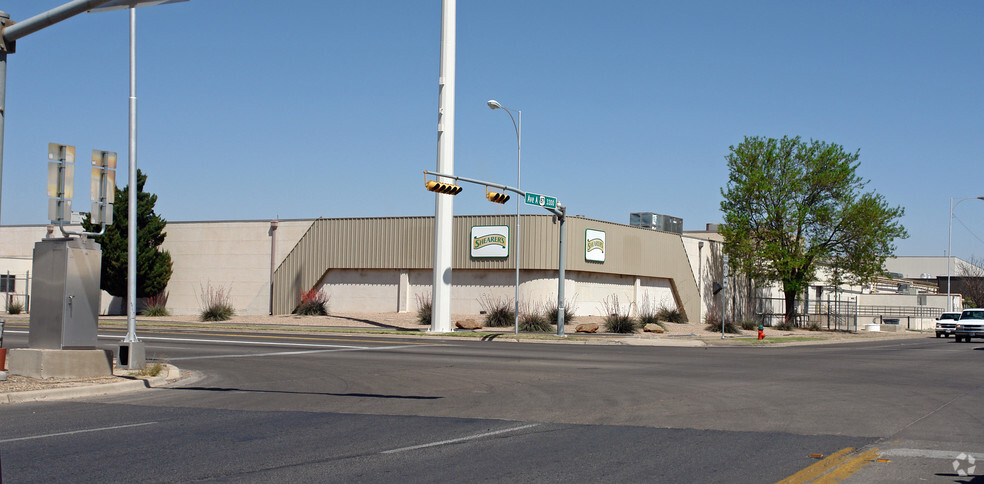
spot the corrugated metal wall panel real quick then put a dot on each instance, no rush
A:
(407, 243)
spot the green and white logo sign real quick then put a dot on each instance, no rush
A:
(594, 245)
(490, 241)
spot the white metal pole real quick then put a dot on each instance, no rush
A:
(443, 205)
(519, 186)
(949, 242)
(4, 19)
(131, 246)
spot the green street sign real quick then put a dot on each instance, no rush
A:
(541, 200)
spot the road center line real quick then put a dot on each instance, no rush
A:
(461, 439)
(4, 441)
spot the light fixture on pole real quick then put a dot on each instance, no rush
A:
(949, 245)
(493, 104)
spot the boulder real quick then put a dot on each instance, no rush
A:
(653, 328)
(587, 328)
(468, 324)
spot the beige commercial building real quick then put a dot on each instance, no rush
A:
(379, 265)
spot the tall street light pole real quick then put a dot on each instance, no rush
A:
(949, 248)
(135, 352)
(493, 104)
(443, 203)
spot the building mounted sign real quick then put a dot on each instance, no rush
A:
(594, 245)
(490, 241)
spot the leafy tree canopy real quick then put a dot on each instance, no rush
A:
(153, 264)
(791, 206)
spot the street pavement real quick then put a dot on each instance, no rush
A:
(375, 408)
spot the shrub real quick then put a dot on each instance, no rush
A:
(15, 307)
(617, 319)
(785, 326)
(570, 310)
(425, 309)
(671, 315)
(814, 326)
(729, 327)
(749, 325)
(498, 311)
(313, 303)
(534, 320)
(156, 306)
(215, 304)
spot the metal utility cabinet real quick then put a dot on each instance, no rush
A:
(65, 307)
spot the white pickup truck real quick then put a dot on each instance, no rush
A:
(970, 325)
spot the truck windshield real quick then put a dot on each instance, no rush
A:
(972, 314)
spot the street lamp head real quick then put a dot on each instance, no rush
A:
(493, 104)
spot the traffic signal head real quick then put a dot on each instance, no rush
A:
(497, 197)
(448, 188)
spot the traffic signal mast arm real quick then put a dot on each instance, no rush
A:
(559, 211)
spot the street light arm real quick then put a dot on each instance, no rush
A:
(51, 17)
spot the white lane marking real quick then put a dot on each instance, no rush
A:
(462, 439)
(257, 343)
(4, 441)
(928, 453)
(288, 353)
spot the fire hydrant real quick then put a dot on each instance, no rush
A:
(761, 332)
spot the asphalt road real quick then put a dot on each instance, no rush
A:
(382, 409)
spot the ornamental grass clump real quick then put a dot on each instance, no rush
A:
(425, 309)
(648, 314)
(671, 315)
(534, 319)
(313, 303)
(156, 306)
(215, 304)
(570, 310)
(713, 324)
(498, 311)
(749, 325)
(617, 319)
(15, 307)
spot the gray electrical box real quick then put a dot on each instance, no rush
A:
(65, 290)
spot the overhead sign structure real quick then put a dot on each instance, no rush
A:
(594, 245)
(490, 241)
(541, 200)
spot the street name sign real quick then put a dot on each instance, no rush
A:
(541, 200)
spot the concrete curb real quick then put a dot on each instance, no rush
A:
(173, 374)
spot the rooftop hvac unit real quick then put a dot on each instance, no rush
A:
(655, 221)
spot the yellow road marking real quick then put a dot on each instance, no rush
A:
(839, 466)
(850, 467)
(820, 468)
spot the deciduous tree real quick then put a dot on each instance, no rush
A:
(792, 206)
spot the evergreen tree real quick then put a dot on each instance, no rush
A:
(153, 264)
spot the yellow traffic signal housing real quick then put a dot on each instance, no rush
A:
(497, 197)
(447, 188)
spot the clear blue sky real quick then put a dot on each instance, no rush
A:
(253, 110)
